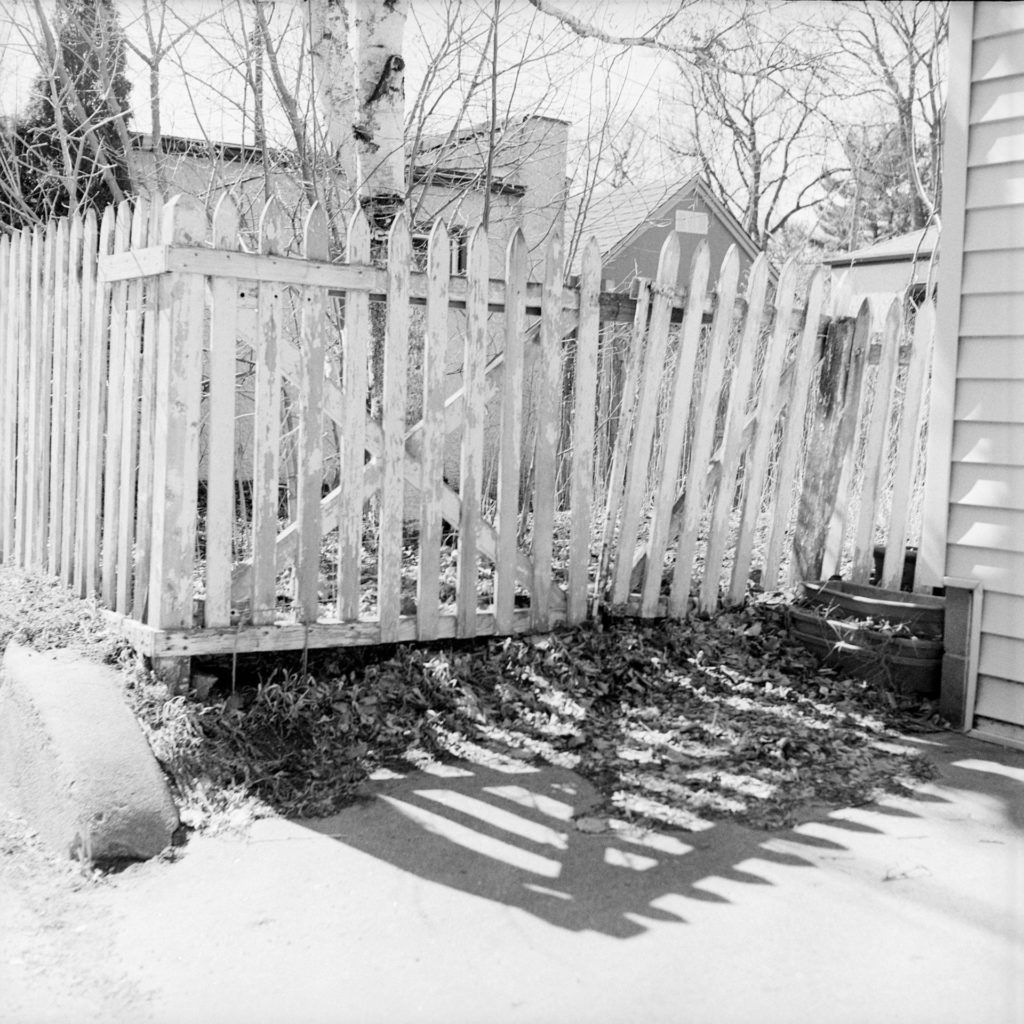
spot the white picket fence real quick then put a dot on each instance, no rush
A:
(125, 433)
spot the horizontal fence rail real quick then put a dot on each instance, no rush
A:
(282, 448)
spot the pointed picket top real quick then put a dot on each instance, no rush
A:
(477, 238)
(785, 289)
(123, 226)
(668, 261)
(275, 229)
(700, 273)
(107, 223)
(140, 221)
(358, 243)
(516, 248)
(226, 223)
(592, 257)
(554, 251)
(728, 272)
(184, 221)
(399, 231)
(156, 216)
(439, 248)
(315, 239)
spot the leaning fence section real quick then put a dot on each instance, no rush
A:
(245, 447)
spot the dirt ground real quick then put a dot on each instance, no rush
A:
(55, 938)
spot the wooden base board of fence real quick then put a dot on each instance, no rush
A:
(164, 643)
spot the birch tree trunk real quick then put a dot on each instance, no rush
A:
(376, 34)
(335, 85)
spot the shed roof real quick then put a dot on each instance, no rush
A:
(919, 244)
(618, 217)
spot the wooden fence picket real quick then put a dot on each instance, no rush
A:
(106, 332)
(130, 418)
(97, 416)
(854, 406)
(545, 458)
(116, 414)
(803, 366)
(220, 462)
(692, 507)
(72, 400)
(911, 422)
(471, 465)
(755, 467)
(41, 283)
(681, 397)
(646, 416)
(23, 299)
(59, 347)
(312, 343)
(147, 427)
(87, 359)
(510, 444)
(635, 354)
(9, 249)
(581, 498)
(875, 446)
(435, 353)
(732, 436)
(274, 236)
(393, 399)
(176, 430)
(353, 423)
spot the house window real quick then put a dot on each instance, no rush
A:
(458, 239)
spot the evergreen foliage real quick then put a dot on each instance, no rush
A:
(71, 144)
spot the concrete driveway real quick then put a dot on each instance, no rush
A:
(468, 897)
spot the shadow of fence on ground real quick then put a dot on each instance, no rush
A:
(514, 836)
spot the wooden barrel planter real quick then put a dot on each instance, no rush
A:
(888, 637)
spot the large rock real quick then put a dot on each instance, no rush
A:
(74, 761)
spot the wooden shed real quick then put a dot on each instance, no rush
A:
(974, 534)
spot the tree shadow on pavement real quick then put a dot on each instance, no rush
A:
(524, 838)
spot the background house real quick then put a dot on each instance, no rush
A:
(631, 224)
(974, 530)
(905, 262)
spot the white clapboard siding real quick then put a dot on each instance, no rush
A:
(393, 399)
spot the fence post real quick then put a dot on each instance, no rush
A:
(176, 435)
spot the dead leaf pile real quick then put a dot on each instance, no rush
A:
(677, 723)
